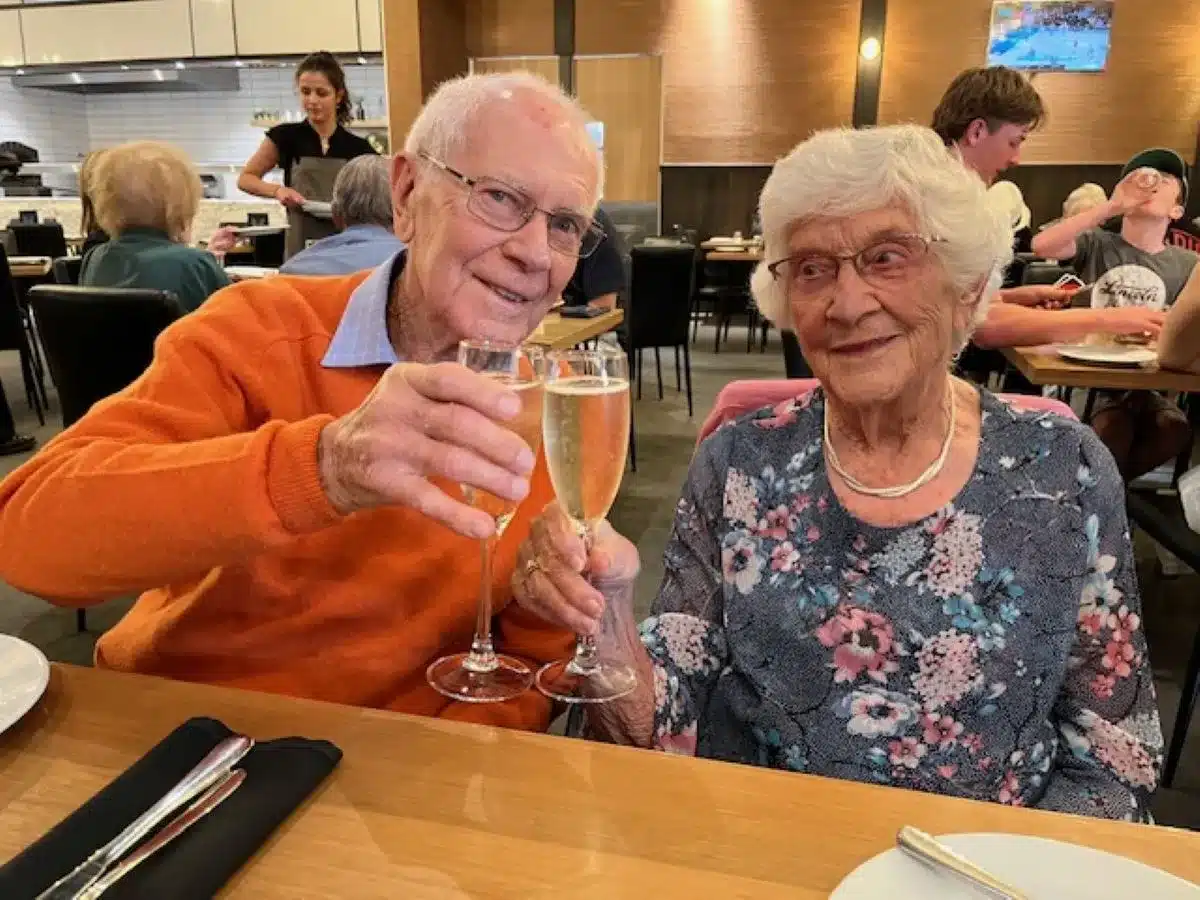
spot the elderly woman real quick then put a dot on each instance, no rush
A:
(282, 491)
(896, 578)
(146, 195)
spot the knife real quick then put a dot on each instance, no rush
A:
(931, 851)
(207, 772)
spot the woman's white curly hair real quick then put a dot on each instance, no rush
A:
(846, 172)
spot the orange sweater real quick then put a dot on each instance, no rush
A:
(198, 486)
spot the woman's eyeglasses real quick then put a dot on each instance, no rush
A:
(884, 262)
(506, 208)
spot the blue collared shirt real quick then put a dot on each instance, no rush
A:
(361, 338)
(358, 247)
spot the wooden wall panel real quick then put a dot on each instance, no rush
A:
(712, 199)
(402, 65)
(443, 42)
(625, 93)
(743, 80)
(1150, 94)
(510, 27)
(546, 66)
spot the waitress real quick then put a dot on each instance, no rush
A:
(311, 153)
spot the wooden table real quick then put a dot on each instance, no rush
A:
(421, 808)
(29, 270)
(734, 256)
(558, 333)
(1043, 366)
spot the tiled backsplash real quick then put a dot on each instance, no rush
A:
(212, 127)
(211, 214)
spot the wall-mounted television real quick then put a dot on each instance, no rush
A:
(1051, 35)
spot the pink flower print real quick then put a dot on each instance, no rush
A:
(741, 501)
(1123, 624)
(1010, 790)
(859, 544)
(1119, 657)
(906, 752)
(973, 742)
(874, 715)
(822, 504)
(1119, 750)
(801, 502)
(784, 557)
(813, 534)
(863, 642)
(1102, 685)
(778, 523)
(947, 772)
(681, 744)
(947, 668)
(782, 415)
(1091, 621)
(956, 556)
(941, 732)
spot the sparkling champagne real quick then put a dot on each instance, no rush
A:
(528, 426)
(587, 433)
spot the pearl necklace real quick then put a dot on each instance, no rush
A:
(899, 490)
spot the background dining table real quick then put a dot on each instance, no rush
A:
(425, 808)
(1044, 366)
(559, 332)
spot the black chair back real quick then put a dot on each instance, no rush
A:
(67, 268)
(98, 340)
(1043, 273)
(40, 239)
(12, 329)
(660, 296)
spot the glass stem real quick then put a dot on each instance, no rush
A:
(584, 661)
(482, 657)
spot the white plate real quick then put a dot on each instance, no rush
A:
(1113, 355)
(24, 674)
(246, 272)
(258, 230)
(318, 209)
(1040, 867)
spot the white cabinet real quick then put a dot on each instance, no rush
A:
(370, 27)
(11, 51)
(105, 32)
(267, 27)
(212, 28)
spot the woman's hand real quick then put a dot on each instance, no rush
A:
(1130, 320)
(549, 577)
(1038, 296)
(290, 198)
(423, 422)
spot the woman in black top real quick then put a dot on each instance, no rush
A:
(309, 152)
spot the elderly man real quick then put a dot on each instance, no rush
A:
(362, 214)
(283, 483)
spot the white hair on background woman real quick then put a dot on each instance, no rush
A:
(846, 172)
(1087, 196)
(441, 128)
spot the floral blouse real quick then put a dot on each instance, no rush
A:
(993, 650)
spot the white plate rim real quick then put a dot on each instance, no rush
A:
(1094, 355)
(257, 230)
(9, 719)
(955, 840)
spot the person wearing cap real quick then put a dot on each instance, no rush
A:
(1135, 268)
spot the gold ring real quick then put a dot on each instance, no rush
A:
(532, 566)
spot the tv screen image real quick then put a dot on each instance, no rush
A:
(1051, 35)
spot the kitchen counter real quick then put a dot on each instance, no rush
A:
(212, 212)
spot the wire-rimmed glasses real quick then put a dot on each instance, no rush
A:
(885, 261)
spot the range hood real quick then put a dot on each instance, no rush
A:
(133, 81)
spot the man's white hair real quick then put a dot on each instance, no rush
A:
(846, 172)
(442, 126)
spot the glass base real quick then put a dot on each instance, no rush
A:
(451, 678)
(606, 680)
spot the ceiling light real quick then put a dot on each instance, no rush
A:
(179, 64)
(870, 48)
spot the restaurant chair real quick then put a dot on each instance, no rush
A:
(794, 363)
(659, 310)
(740, 397)
(1044, 273)
(17, 333)
(725, 290)
(98, 341)
(38, 239)
(1161, 517)
(66, 269)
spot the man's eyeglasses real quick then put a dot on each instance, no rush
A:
(885, 262)
(506, 208)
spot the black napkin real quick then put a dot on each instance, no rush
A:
(279, 776)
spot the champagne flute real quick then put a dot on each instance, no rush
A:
(483, 675)
(586, 425)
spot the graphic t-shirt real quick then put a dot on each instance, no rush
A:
(1126, 276)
